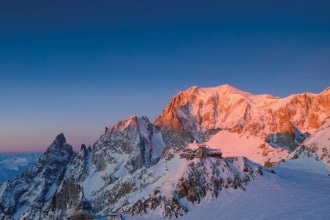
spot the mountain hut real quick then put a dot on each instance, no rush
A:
(202, 151)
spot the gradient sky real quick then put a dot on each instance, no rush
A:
(78, 66)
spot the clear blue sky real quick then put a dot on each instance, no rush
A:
(78, 66)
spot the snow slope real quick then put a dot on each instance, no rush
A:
(252, 147)
(294, 192)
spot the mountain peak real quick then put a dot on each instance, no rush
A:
(60, 140)
(228, 87)
(224, 89)
(122, 124)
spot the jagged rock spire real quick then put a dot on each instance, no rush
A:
(83, 147)
(60, 140)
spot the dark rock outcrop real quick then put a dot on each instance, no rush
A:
(67, 200)
(60, 140)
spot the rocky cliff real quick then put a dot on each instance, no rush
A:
(317, 145)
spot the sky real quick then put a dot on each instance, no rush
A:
(78, 66)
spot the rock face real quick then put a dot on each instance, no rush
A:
(67, 200)
(135, 137)
(80, 166)
(318, 144)
(28, 192)
(60, 140)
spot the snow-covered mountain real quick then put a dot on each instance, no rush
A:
(264, 128)
(26, 195)
(136, 167)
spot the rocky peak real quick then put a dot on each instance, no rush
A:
(136, 140)
(83, 147)
(122, 125)
(60, 140)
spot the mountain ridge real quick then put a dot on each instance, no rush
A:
(197, 114)
(135, 167)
